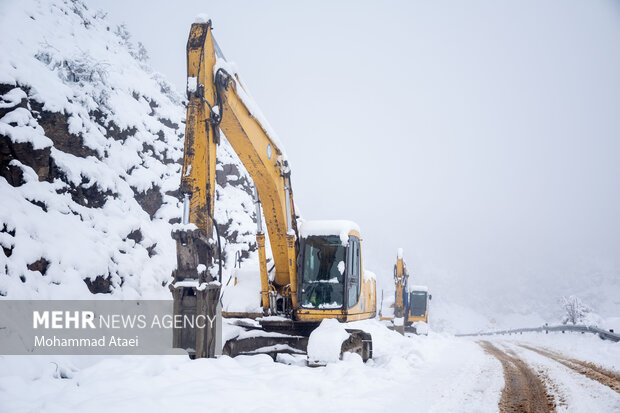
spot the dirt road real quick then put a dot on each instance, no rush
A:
(590, 370)
(524, 390)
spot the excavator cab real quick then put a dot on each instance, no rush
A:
(418, 303)
(417, 306)
(330, 273)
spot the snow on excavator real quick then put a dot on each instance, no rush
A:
(317, 268)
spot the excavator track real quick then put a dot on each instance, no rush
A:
(271, 346)
(259, 341)
(359, 342)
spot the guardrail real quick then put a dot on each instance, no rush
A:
(604, 334)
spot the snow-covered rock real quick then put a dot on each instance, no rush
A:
(91, 140)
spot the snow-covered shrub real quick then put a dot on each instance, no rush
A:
(575, 311)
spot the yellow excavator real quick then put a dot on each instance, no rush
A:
(401, 277)
(410, 301)
(317, 265)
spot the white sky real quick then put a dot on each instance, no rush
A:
(482, 137)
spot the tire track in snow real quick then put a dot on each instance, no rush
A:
(553, 388)
(574, 392)
(524, 390)
(595, 372)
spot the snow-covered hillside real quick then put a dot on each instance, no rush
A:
(91, 140)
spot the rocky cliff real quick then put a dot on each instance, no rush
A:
(91, 140)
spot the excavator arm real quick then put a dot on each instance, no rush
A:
(201, 132)
(217, 100)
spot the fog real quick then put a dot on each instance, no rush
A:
(483, 139)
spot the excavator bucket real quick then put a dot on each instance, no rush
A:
(194, 296)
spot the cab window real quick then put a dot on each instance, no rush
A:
(323, 269)
(353, 271)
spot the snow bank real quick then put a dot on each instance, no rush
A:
(435, 373)
(421, 327)
(325, 342)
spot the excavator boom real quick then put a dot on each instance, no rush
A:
(268, 167)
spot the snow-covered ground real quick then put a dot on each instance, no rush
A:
(435, 373)
(93, 122)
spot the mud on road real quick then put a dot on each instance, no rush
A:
(524, 390)
(592, 371)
